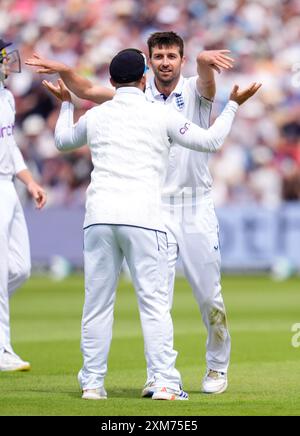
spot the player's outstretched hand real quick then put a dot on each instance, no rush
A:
(216, 59)
(38, 193)
(46, 66)
(240, 96)
(60, 91)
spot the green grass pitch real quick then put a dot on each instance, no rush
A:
(264, 377)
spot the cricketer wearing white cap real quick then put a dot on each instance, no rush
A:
(14, 241)
(130, 139)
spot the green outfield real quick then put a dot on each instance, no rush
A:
(264, 374)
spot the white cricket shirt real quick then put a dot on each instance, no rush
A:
(11, 159)
(187, 169)
(130, 139)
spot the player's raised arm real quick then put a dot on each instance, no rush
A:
(189, 135)
(68, 136)
(79, 85)
(207, 62)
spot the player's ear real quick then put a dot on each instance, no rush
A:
(113, 83)
(149, 62)
(183, 60)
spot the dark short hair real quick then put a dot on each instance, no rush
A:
(167, 39)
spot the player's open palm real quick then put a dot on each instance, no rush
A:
(45, 66)
(60, 91)
(240, 96)
(216, 59)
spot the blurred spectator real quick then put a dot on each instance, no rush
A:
(260, 162)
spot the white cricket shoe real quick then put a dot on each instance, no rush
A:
(10, 362)
(94, 394)
(170, 394)
(214, 382)
(149, 389)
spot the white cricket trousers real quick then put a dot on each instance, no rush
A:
(145, 251)
(194, 235)
(14, 255)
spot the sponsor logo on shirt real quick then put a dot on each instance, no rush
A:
(185, 128)
(7, 131)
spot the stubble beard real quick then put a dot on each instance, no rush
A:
(166, 82)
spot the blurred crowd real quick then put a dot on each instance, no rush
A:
(260, 161)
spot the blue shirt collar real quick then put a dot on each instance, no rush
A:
(176, 91)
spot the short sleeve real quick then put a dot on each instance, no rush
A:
(202, 105)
